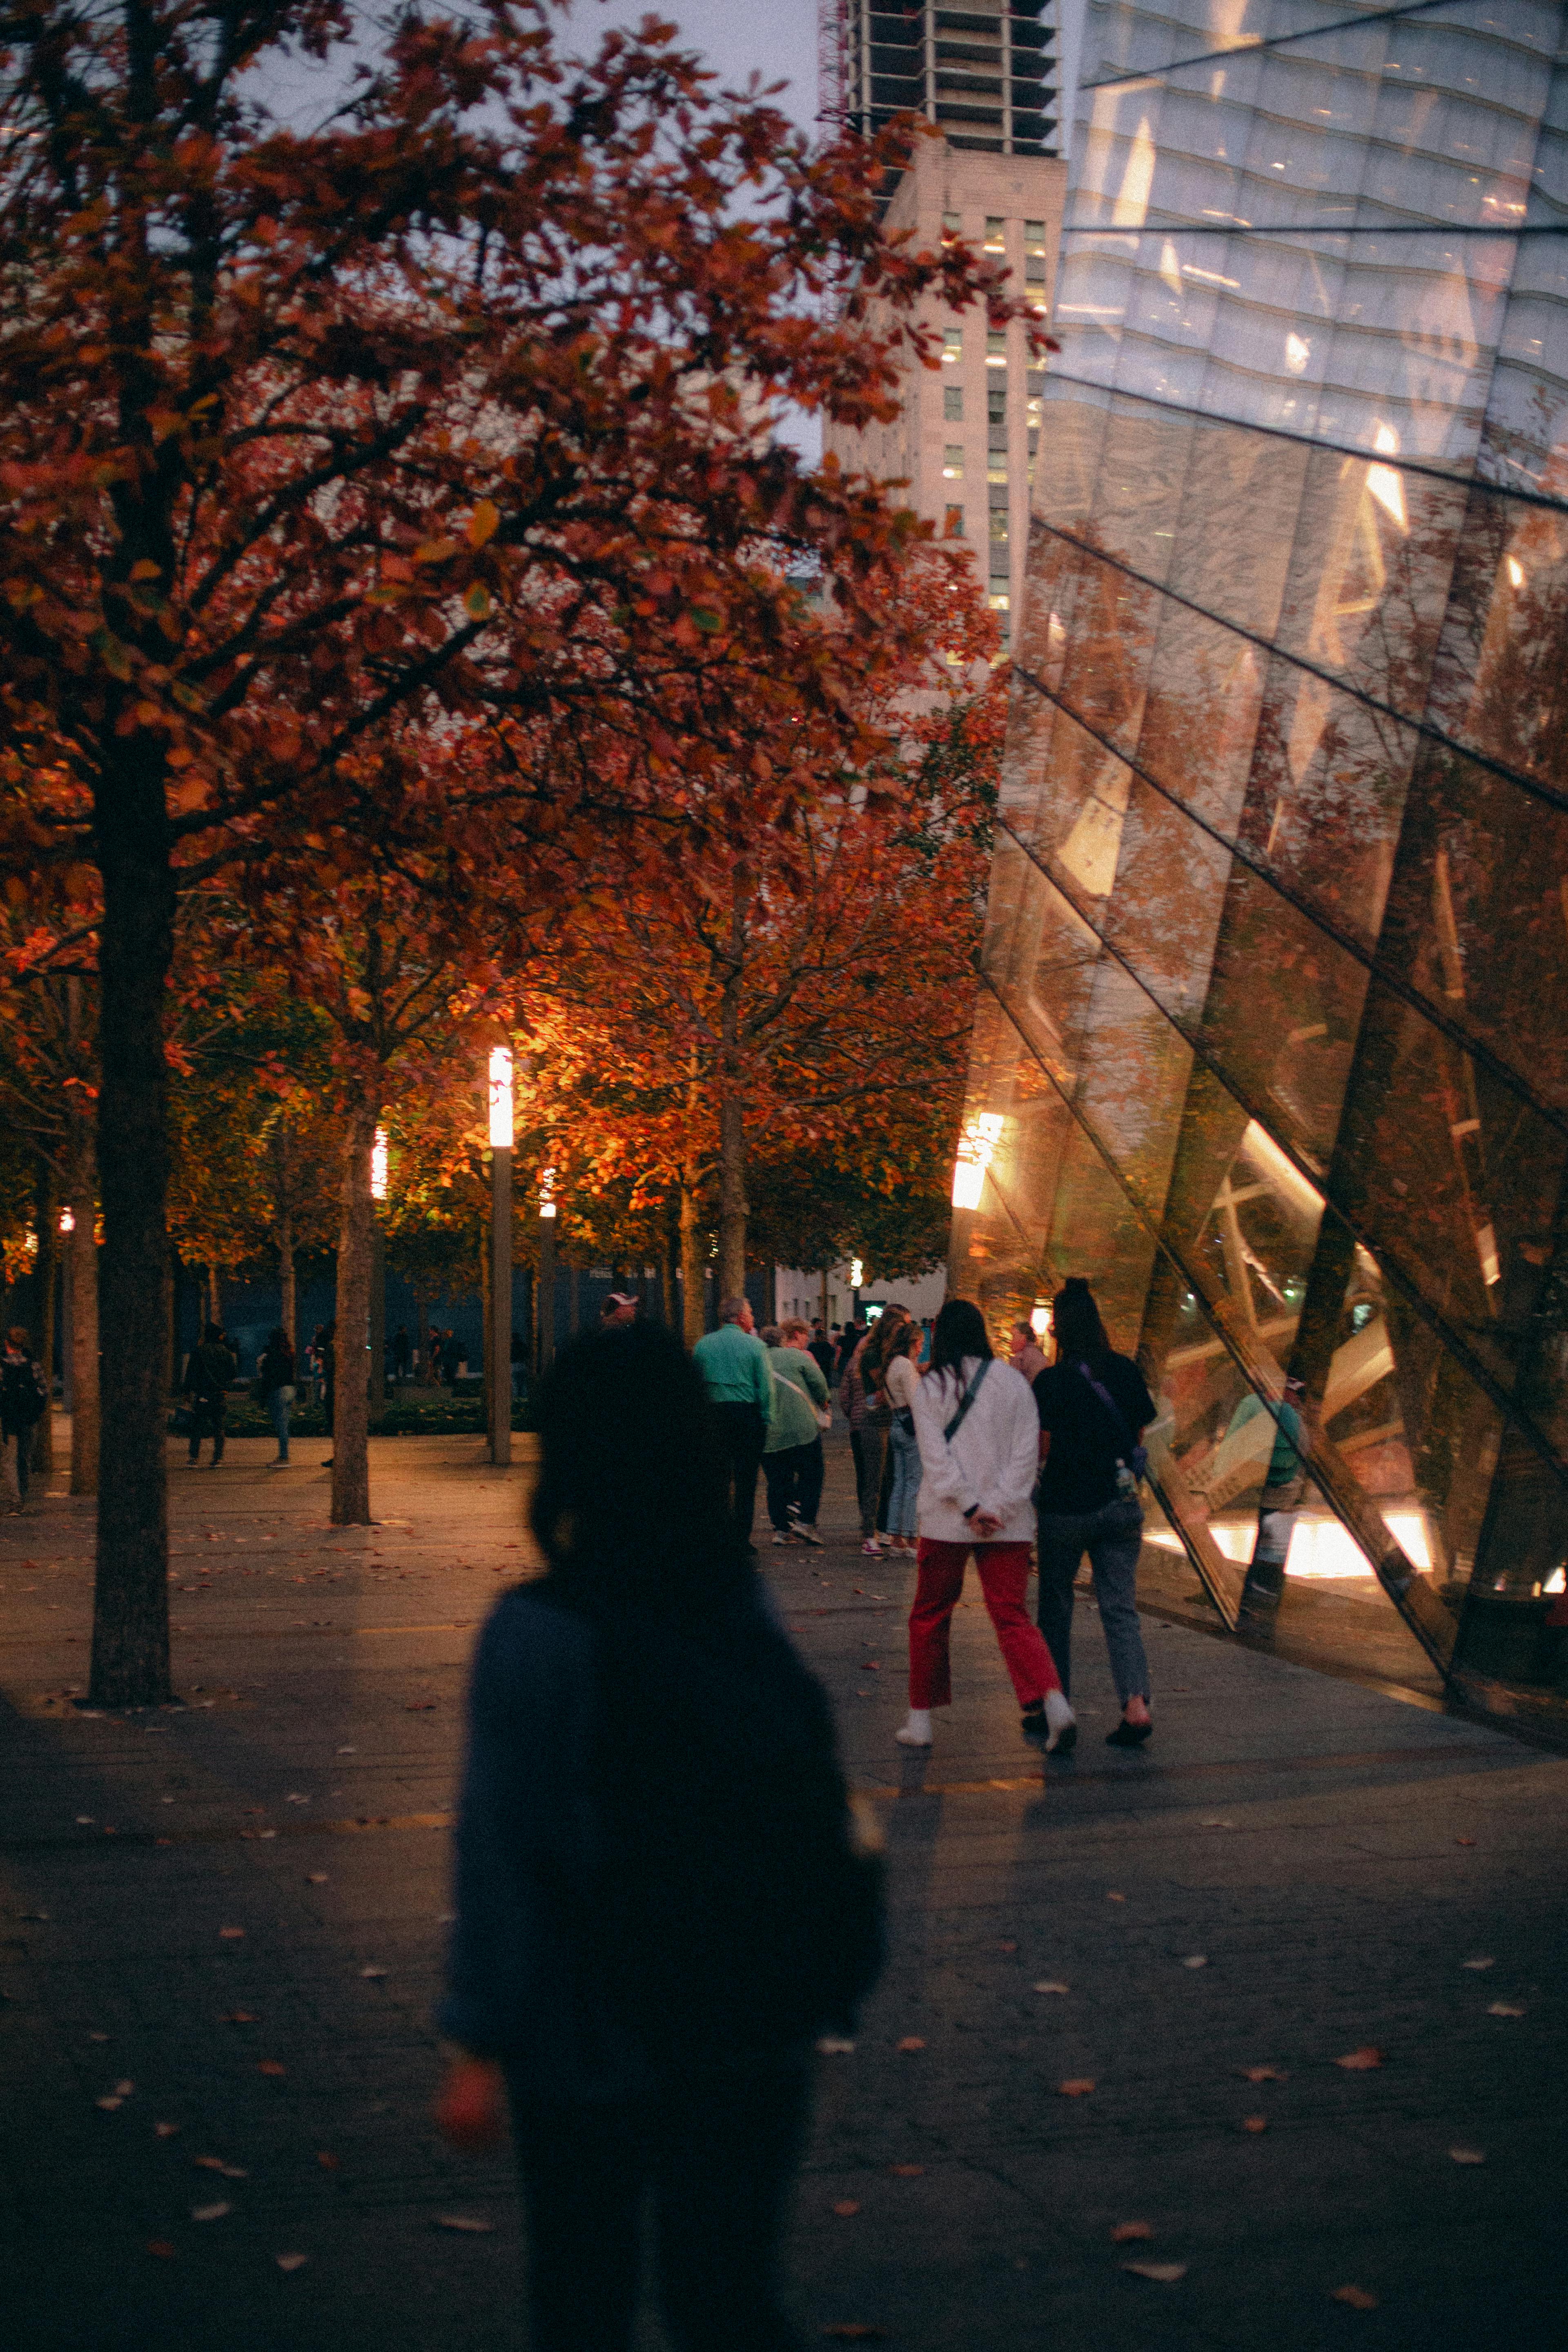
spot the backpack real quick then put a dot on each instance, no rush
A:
(733, 1911)
(23, 1396)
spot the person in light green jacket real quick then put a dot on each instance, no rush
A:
(738, 1380)
(793, 1463)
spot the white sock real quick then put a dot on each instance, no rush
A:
(1059, 1714)
(916, 1732)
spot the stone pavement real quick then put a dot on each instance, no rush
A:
(1332, 1857)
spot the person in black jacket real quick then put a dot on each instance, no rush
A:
(210, 1368)
(24, 1400)
(1094, 1408)
(275, 1384)
(660, 1897)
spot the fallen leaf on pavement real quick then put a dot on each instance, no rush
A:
(1116, 1898)
(211, 2212)
(420, 1707)
(1048, 1987)
(1167, 2273)
(271, 2066)
(1503, 2008)
(1467, 2155)
(1006, 1944)
(1262, 2075)
(315, 1878)
(1487, 1963)
(1215, 1823)
(855, 2331)
(1196, 1960)
(1125, 2231)
(162, 2248)
(221, 2164)
(1077, 2086)
(328, 2162)
(98, 2037)
(1464, 1840)
(1254, 2122)
(231, 1934)
(846, 2208)
(469, 2222)
(909, 2044)
(906, 2171)
(241, 2017)
(166, 2131)
(373, 1972)
(290, 2262)
(1360, 2062)
(834, 2045)
(109, 2104)
(1357, 2297)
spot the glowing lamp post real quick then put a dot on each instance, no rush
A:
(67, 1264)
(546, 1267)
(378, 1177)
(501, 1101)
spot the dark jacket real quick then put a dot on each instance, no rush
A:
(276, 1370)
(210, 1369)
(23, 1396)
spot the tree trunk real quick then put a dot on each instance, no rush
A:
(45, 1268)
(733, 1205)
(131, 1600)
(420, 1346)
(288, 1314)
(377, 1314)
(351, 1434)
(214, 1293)
(693, 1268)
(84, 1346)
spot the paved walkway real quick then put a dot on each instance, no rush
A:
(1331, 1857)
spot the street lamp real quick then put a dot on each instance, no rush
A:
(500, 1106)
(68, 1357)
(378, 1176)
(546, 1268)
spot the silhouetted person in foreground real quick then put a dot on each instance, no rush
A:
(661, 1898)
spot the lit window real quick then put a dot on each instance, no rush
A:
(1000, 604)
(1035, 237)
(996, 234)
(997, 465)
(1035, 411)
(997, 350)
(952, 462)
(952, 526)
(976, 1150)
(951, 227)
(998, 523)
(953, 404)
(952, 346)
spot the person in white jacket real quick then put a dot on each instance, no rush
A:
(980, 1441)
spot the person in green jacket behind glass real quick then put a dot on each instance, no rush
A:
(738, 1380)
(791, 1463)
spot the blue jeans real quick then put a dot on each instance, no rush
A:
(906, 1486)
(278, 1405)
(1112, 1537)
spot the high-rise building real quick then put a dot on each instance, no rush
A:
(1273, 1043)
(967, 438)
(983, 73)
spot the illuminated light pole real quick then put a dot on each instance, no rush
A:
(378, 1173)
(546, 1268)
(501, 1131)
(67, 1384)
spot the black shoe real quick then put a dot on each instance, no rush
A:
(1035, 1724)
(327, 1462)
(1129, 1735)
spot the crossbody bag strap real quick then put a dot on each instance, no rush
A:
(1134, 1449)
(950, 1432)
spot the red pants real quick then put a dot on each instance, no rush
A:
(1004, 1580)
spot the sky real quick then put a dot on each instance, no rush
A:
(776, 38)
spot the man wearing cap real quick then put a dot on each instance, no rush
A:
(738, 1378)
(619, 1309)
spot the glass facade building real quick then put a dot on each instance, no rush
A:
(1273, 1040)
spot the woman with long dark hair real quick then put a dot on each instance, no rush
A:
(660, 1904)
(979, 1439)
(1094, 1408)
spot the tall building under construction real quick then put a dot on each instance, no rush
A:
(985, 75)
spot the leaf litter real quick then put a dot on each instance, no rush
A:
(1358, 2297)
(1164, 2273)
(1362, 2060)
(1125, 2231)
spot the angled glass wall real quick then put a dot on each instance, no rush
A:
(1275, 1039)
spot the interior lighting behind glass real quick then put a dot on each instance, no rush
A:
(1384, 482)
(67, 1221)
(378, 1165)
(976, 1150)
(547, 1191)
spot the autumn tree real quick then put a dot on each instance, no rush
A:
(455, 405)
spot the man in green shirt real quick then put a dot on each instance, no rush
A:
(738, 1378)
(791, 1463)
